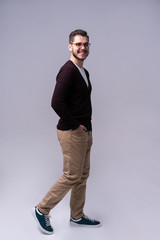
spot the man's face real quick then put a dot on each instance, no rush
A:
(79, 48)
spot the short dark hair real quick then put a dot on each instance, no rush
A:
(77, 32)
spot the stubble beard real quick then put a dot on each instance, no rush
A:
(80, 59)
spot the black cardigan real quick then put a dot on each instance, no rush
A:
(71, 99)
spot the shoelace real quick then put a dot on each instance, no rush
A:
(47, 220)
(89, 219)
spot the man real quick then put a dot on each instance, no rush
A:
(71, 101)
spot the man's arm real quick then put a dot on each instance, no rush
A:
(61, 95)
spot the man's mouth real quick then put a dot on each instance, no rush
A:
(83, 52)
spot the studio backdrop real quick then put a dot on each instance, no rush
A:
(124, 67)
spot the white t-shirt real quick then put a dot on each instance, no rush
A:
(83, 73)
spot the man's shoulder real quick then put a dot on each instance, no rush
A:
(69, 65)
(67, 72)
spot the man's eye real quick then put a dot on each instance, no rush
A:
(79, 44)
(86, 44)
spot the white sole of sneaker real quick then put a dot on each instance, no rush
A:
(39, 226)
(72, 224)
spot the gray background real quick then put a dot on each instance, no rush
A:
(124, 65)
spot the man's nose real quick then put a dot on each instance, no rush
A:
(82, 47)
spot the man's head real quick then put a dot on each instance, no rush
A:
(78, 32)
(79, 45)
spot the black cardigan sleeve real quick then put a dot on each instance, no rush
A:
(61, 94)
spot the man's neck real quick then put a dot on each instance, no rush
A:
(79, 63)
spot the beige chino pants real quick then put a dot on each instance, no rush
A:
(76, 164)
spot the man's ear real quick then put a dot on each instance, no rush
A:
(70, 47)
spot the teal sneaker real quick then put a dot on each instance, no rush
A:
(43, 221)
(85, 222)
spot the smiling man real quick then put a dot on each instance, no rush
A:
(72, 102)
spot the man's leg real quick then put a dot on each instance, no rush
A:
(74, 149)
(78, 192)
(78, 218)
